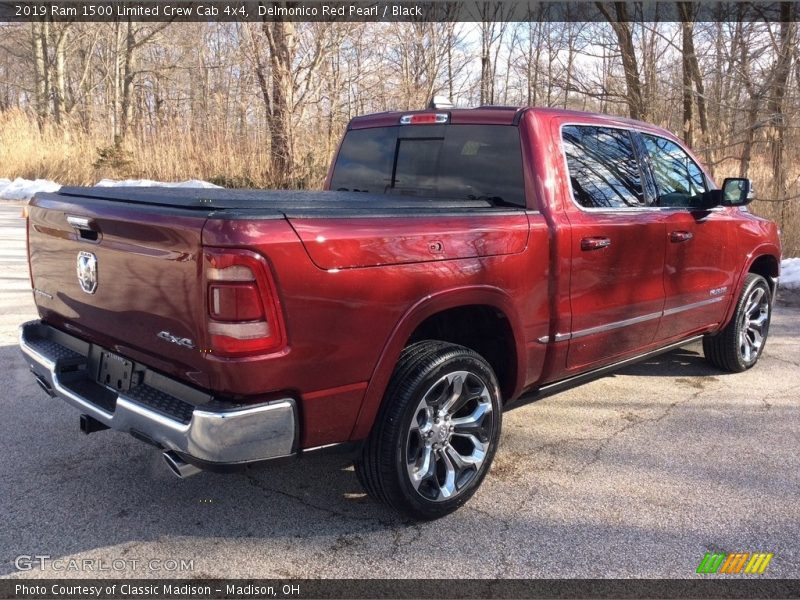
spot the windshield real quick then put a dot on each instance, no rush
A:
(471, 162)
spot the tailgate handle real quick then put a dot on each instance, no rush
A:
(86, 227)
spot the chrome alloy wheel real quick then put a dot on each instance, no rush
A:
(755, 319)
(449, 435)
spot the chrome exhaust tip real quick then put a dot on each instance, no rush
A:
(179, 467)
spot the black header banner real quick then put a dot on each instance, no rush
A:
(383, 11)
(155, 589)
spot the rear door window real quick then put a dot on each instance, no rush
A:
(443, 161)
(603, 168)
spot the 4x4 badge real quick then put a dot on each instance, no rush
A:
(174, 339)
(87, 271)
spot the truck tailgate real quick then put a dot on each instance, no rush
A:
(140, 276)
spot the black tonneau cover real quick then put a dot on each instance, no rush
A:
(281, 201)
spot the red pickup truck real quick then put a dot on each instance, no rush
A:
(459, 263)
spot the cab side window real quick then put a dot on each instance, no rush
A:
(603, 169)
(677, 177)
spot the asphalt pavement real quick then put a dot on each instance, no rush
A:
(638, 474)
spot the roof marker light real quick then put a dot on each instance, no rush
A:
(424, 119)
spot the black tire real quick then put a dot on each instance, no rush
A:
(739, 345)
(434, 438)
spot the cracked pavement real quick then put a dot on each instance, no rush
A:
(635, 475)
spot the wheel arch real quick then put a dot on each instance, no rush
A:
(433, 311)
(764, 261)
(768, 266)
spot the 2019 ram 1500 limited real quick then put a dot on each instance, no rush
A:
(461, 262)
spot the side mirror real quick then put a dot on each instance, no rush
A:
(736, 191)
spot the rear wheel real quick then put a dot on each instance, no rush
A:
(738, 347)
(437, 432)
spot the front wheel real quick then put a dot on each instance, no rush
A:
(437, 432)
(738, 347)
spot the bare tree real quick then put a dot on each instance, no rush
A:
(39, 35)
(779, 78)
(620, 22)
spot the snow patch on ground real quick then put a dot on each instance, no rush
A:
(191, 183)
(790, 273)
(23, 189)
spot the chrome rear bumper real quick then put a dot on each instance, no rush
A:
(158, 409)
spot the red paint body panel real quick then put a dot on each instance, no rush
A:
(351, 290)
(152, 260)
(359, 242)
(623, 281)
(706, 261)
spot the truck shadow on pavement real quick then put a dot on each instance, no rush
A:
(683, 362)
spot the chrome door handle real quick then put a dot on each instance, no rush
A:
(595, 243)
(680, 236)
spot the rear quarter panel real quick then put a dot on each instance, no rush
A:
(347, 326)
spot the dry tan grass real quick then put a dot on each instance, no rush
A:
(72, 155)
(175, 154)
(60, 155)
(786, 213)
(788, 219)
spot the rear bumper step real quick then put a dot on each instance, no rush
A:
(175, 416)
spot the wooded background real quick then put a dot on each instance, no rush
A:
(265, 104)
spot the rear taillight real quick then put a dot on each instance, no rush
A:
(242, 309)
(235, 302)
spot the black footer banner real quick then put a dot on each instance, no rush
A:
(155, 589)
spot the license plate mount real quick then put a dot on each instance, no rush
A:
(115, 372)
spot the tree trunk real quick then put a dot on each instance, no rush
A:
(282, 45)
(692, 69)
(450, 75)
(621, 24)
(128, 75)
(487, 79)
(688, 129)
(115, 128)
(570, 62)
(749, 136)
(41, 70)
(60, 87)
(778, 124)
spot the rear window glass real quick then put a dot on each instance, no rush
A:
(603, 169)
(451, 161)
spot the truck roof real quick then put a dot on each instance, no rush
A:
(502, 115)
